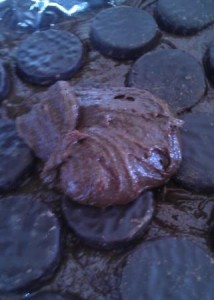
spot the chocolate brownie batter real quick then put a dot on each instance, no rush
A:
(102, 146)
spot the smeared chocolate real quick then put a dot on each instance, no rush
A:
(102, 146)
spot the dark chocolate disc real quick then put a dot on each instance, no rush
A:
(197, 169)
(16, 159)
(113, 226)
(29, 242)
(4, 83)
(172, 75)
(52, 296)
(169, 268)
(185, 17)
(48, 56)
(209, 62)
(123, 32)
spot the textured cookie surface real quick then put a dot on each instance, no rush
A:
(171, 268)
(102, 146)
(185, 17)
(197, 169)
(47, 56)
(110, 227)
(16, 159)
(30, 242)
(123, 32)
(172, 75)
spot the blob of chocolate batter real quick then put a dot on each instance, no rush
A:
(102, 146)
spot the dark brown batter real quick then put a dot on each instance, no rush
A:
(102, 146)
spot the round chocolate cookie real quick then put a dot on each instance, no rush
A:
(197, 169)
(185, 17)
(16, 159)
(53, 296)
(172, 75)
(113, 226)
(170, 268)
(4, 83)
(123, 32)
(48, 56)
(30, 243)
